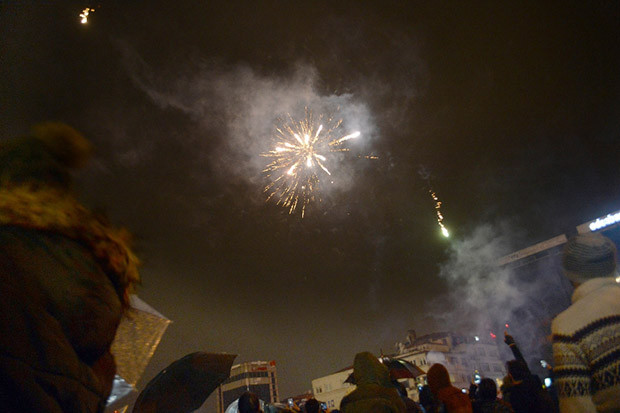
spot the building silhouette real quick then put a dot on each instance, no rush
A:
(258, 377)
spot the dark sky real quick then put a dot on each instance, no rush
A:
(513, 109)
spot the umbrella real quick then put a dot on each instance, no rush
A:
(184, 385)
(121, 396)
(138, 335)
(398, 368)
(401, 369)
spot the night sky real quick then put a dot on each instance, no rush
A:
(513, 111)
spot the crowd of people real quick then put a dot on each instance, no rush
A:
(586, 258)
(586, 347)
(66, 275)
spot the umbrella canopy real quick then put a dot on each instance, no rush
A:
(122, 395)
(401, 369)
(398, 368)
(137, 337)
(184, 385)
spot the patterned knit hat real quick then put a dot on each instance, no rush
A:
(588, 256)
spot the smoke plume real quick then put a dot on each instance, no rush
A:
(236, 109)
(484, 297)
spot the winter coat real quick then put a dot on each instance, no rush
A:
(528, 396)
(374, 392)
(452, 399)
(586, 349)
(64, 279)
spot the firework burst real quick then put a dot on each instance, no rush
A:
(84, 15)
(302, 154)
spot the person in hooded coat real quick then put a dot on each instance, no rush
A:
(453, 399)
(374, 392)
(65, 278)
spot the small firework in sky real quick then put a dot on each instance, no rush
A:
(84, 15)
(444, 230)
(302, 154)
(426, 175)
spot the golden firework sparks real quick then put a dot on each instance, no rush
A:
(84, 15)
(301, 154)
(444, 230)
(425, 174)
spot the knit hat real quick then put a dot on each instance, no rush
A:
(588, 256)
(44, 158)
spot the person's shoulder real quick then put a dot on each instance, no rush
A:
(602, 305)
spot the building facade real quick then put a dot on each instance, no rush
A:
(259, 377)
(462, 356)
(332, 388)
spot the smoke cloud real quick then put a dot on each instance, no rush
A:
(236, 109)
(483, 296)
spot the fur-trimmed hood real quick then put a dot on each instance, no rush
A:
(52, 210)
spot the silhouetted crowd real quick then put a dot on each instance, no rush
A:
(66, 274)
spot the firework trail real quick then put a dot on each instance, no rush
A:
(423, 172)
(444, 230)
(301, 154)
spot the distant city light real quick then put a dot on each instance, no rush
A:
(493, 336)
(548, 382)
(476, 338)
(507, 326)
(610, 219)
